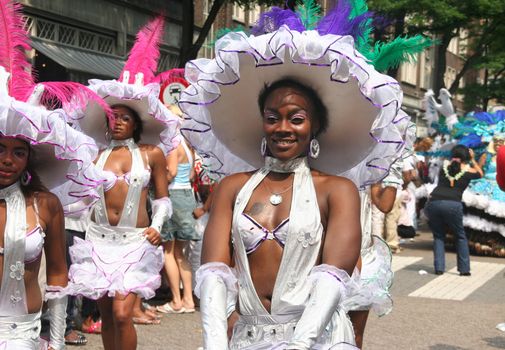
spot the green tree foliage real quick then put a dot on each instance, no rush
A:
(189, 48)
(482, 20)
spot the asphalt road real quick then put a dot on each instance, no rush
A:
(432, 312)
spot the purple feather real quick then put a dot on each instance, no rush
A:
(272, 20)
(337, 21)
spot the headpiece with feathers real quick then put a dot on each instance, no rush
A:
(144, 55)
(349, 17)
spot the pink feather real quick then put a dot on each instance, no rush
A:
(13, 44)
(170, 75)
(72, 97)
(144, 55)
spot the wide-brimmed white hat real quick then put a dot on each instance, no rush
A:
(137, 89)
(366, 131)
(61, 156)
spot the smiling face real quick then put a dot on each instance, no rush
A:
(14, 155)
(288, 123)
(124, 125)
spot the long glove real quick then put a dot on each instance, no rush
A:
(162, 210)
(214, 284)
(329, 286)
(395, 176)
(57, 305)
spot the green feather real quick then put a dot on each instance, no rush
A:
(223, 31)
(400, 50)
(309, 12)
(359, 7)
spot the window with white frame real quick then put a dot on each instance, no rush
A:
(427, 69)
(408, 73)
(254, 14)
(453, 46)
(463, 43)
(449, 76)
(238, 13)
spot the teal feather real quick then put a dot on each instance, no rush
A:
(401, 50)
(359, 7)
(309, 12)
(223, 31)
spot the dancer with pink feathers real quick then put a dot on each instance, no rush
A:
(39, 154)
(120, 259)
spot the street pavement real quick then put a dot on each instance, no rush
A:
(432, 312)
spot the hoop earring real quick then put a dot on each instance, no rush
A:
(314, 149)
(108, 138)
(263, 146)
(26, 178)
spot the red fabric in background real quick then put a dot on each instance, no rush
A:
(500, 168)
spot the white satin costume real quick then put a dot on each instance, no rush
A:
(118, 259)
(19, 330)
(298, 319)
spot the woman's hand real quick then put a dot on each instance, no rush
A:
(472, 155)
(198, 212)
(153, 236)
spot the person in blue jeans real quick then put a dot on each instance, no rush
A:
(445, 209)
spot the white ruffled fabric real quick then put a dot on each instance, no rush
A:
(98, 270)
(60, 153)
(490, 206)
(160, 125)
(366, 158)
(349, 284)
(223, 271)
(480, 224)
(375, 281)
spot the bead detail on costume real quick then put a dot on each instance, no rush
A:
(273, 333)
(16, 298)
(17, 270)
(307, 238)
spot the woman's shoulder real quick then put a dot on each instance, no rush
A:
(332, 181)
(236, 180)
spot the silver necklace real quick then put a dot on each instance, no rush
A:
(276, 198)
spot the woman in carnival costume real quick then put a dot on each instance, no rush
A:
(38, 152)
(292, 232)
(484, 201)
(120, 258)
(179, 230)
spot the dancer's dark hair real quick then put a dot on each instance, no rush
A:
(459, 154)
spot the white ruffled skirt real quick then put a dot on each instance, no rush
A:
(375, 280)
(114, 260)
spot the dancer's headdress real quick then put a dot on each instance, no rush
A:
(367, 130)
(58, 153)
(136, 89)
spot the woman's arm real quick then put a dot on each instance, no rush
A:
(342, 243)
(171, 164)
(51, 213)
(217, 237)
(216, 285)
(383, 197)
(162, 208)
(476, 165)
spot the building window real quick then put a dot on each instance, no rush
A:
(238, 14)
(167, 61)
(449, 76)
(69, 35)
(408, 73)
(254, 14)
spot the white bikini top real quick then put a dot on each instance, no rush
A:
(112, 178)
(253, 233)
(34, 242)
